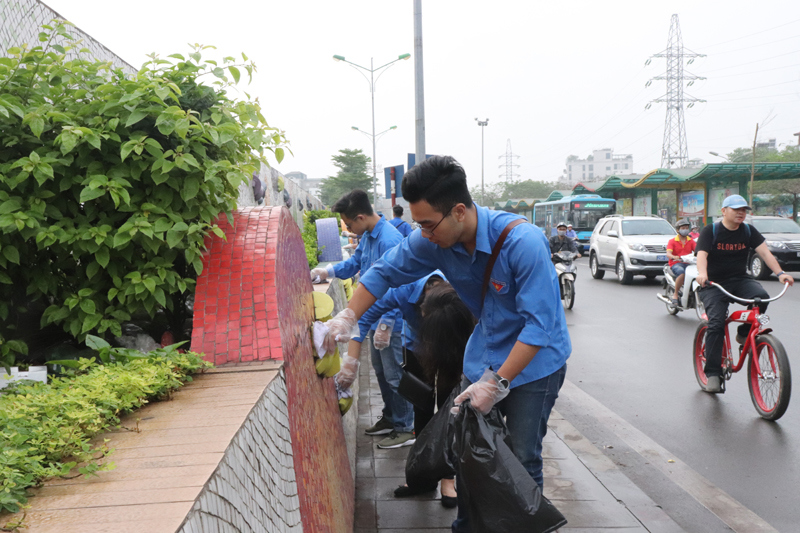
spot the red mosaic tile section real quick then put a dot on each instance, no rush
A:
(253, 302)
(232, 322)
(322, 469)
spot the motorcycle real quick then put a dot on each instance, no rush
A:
(567, 272)
(689, 298)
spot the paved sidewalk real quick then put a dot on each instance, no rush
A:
(581, 481)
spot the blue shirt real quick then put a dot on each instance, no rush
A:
(371, 247)
(405, 298)
(523, 301)
(402, 226)
(571, 234)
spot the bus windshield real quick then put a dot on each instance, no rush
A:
(586, 219)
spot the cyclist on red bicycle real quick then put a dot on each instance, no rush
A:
(722, 251)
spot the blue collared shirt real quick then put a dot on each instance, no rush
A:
(406, 299)
(371, 247)
(402, 226)
(523, 302)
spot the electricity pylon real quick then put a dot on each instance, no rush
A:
(674, 151)
(509, 156)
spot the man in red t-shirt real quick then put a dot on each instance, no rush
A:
(681, 245)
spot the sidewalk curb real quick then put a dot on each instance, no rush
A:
(730, 511)
(645, 510)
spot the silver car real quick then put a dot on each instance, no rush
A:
(629, 246)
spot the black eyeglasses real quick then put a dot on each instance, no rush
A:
(430, 231)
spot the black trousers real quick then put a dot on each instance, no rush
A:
(716, 304)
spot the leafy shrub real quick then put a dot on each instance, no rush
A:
(45, 428)
(310, 233)
(109, 184)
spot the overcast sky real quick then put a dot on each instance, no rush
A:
(556, 78)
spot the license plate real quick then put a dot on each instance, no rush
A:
(664, 257)
(798, 254)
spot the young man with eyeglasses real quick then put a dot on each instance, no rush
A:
(377, 237)
(516, 356)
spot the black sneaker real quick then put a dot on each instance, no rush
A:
(381, 427)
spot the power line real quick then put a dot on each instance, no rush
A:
(756, 88)
(761, 60)
(751, 34)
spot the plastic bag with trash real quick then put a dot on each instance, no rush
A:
(428, 461)
(499, 493)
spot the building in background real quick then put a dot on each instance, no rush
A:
(311, 185)
(600, 164)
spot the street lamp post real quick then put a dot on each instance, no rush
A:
(482, 123)
(372, 81)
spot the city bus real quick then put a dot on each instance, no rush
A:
(582, 211)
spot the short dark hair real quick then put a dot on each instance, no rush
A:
(352, 204)
(398, 210)
(439, 180)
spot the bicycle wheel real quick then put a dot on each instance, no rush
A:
(770, 389)
(699, 355)
(569, 293)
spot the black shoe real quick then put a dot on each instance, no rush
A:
(404, 491)
(449, 502)
(714, 385)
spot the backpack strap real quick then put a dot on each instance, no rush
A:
(714, 228)
(487, 274)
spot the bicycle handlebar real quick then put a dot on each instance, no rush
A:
(745, 300)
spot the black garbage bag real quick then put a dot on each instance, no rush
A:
(499, 493)
(427, 461)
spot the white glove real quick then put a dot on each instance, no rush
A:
(318, 275)
(347, 375)
(340, 329)
(483, 394)
(383, 335)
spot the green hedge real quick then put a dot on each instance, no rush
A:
(310, 233)
(45, 429)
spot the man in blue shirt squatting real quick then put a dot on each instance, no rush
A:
(377, 237)
(516, 357)
(402, 226)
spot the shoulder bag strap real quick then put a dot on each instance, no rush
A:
(496, 252)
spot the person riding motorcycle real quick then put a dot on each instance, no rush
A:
(681, 245)
(560, 242)
(722, 251)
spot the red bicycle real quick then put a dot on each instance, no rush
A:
(768, 372)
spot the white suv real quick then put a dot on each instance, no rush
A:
(629, 246)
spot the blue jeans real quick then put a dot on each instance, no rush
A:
(679, 269)
(387, 364)
(527, 410)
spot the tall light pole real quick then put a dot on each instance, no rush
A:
(372, 81)
(482, 123)
(419, 91)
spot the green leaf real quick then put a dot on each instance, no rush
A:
(9, 207)
(235, 73)
(102, 256)
(92, 269)
(279, 154)
(11, 253)
(37, 126)
(5, 279)
(96, 343)
(90, 322)
(135, 117)
(160, 298)
(68, 142)
(121, 239)
(150, 284)
(191, 186)
(90, 194)
(88, 307)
